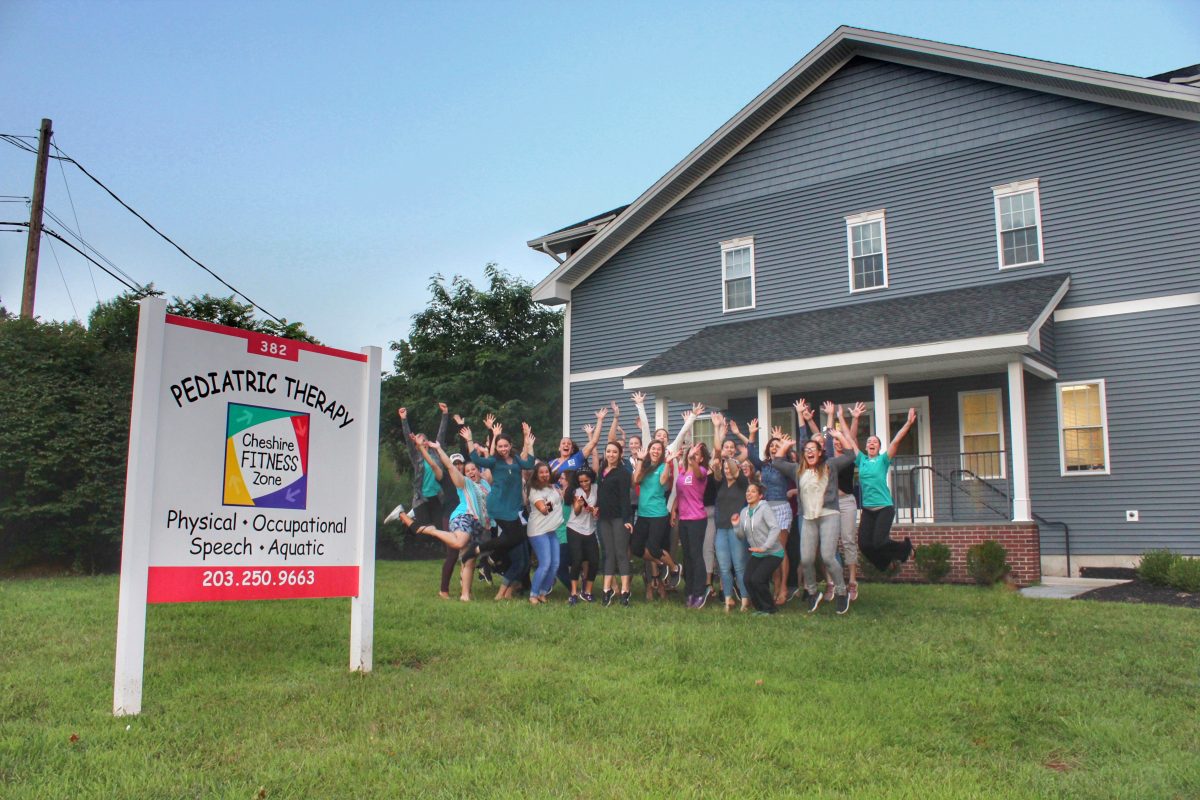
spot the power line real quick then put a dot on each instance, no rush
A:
(78, 227)
(75, 235)
(63, 275)
(127, 284)
(17, 141)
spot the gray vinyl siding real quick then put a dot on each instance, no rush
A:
(1151, 365)
(1115, 189)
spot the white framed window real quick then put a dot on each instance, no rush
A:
(981, 433)
(704, 431)
(1083, 428)
(1018, 224)
(866, 247)
(737, 273)
(782, 418)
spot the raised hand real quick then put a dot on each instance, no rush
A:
(465, 433)
(497, 429)
(588, 429)
(442, 407)
(807, 414)
(776, 432)
(639, 398)
(600, 415)
(529, 440)
(435, 444)
(697, 408)
(827, 407)
(458, 420)
(489, 421)
(733, 426)
(525, 429)
(912, 416)
(718, 419)
(800, 405)
(752, 428)
(616, 409)
(858, 409)
(403, 412)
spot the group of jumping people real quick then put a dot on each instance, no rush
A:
(745, 527)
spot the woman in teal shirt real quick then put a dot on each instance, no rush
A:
(878, 509)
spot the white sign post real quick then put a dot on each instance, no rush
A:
(252, 475)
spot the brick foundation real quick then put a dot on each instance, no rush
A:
(1020, 539)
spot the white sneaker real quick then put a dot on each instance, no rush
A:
(395, 515)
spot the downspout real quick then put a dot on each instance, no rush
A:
(546, 249)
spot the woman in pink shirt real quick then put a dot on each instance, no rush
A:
(693, 521)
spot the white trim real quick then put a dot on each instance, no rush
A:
(1000, 342)
(1160, 303)
(1035, 330)
(881, 422)
(1009, 190)
(1039, 369)
(1062, 450)
(854, 221)
(661, 414)
(727, 247)
(601, 374)
(763, 396)
(566, 371)
(962, 445)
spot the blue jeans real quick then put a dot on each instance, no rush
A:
(732, 554)
(545, 547)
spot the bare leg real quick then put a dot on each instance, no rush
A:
(455, 539)
(781, 573)
(466, 576)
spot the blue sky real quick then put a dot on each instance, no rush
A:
(328, 159)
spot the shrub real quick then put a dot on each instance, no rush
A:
(1156, 566)
(933, 560)
(987, 563)
(1185, 574)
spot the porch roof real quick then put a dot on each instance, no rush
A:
(917, 335)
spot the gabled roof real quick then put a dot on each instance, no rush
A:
(1142, 94)
(570, 238)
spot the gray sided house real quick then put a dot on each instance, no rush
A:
(1010, 246)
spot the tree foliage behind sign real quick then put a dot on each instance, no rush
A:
(479, 350)
(65, 432)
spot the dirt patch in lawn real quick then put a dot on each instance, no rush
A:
(1138, 591)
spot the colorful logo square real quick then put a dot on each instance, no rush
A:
(266, 457)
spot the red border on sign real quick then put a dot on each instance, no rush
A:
(252, 336)
(187, 584)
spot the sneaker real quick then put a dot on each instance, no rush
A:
(588, 597)
(691, 602)
(842, 603)
(674, 576)
(624, 598)
(573, 600)
(852, 591)
(485, 572)
(813, 600)
(394, 516)
(795, 591)
(702, 599)
(908, 549)
(607, 597)
(828, 591)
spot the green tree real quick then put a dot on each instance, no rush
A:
(478, 350)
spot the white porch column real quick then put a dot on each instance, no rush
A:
(1022, 508)
(566, 410)
(660, 415)
(881, 415)
(764, 420)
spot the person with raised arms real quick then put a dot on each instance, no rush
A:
(879, 510)
(615, 518)
(581, 536)
(652, 532)
(504, 503)
(545, 513)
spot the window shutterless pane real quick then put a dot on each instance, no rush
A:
(1081, 405)
(737, 293)
(703, 431)
(1084, 448)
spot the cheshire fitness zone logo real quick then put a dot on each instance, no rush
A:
(266, 457)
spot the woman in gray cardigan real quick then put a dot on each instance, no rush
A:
(817, 490)
(756, 523)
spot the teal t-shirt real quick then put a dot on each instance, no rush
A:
(872, 475)
(562, 529)
(652, 498)
(429, 482)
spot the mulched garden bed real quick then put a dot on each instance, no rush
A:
(1138, 591)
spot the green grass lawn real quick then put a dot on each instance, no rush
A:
(921, 691)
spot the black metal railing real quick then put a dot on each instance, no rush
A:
(953, 487)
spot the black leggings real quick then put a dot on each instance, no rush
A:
(691, 536)
(759, 570)
(874, 537)
(512, 533)
(583, 548)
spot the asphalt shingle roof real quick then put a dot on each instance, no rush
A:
(998, 308)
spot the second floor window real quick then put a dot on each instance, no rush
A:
(1018, 223)
(866, 236)
(737, 269)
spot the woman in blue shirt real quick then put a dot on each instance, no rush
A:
(878, 508)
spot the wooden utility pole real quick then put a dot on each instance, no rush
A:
(35, 221)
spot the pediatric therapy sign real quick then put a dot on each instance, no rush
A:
(252, 468)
